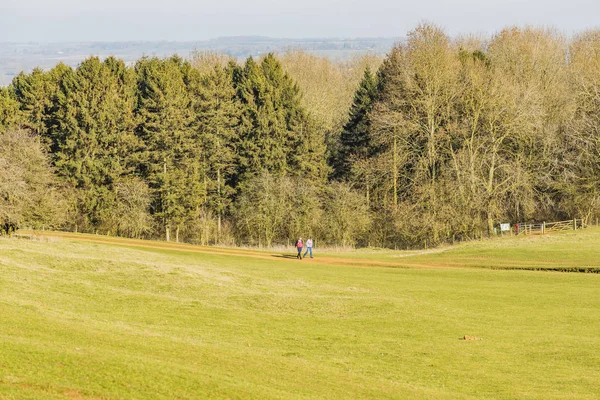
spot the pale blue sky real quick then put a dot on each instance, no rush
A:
(122, 20)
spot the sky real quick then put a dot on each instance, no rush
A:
(192, 20)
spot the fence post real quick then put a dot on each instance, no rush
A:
(574, 224)
(543, 227)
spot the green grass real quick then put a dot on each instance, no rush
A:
(83, 320)
(570, 250)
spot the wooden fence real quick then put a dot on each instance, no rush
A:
(547, 227)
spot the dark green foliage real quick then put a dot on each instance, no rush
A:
(93, 138)
(38, 95)
(10, 114)
(171, 158)
(446, 140)
(194, 140)
(275, 133)
(355, 139)
(215, 125)
(34, 92)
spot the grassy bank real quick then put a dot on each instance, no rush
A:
(565, 251)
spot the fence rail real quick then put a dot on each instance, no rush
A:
(546, 227)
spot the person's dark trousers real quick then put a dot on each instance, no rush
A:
(299, 253)
(308, 250)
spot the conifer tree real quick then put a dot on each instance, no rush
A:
(261, 134)
(58, 75)
(10, 115)
(94, 137)
(34, 92)
(170, 161)
(217, 115)
(355, 139)
(276, 134)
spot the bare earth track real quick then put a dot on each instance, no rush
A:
(189, 248)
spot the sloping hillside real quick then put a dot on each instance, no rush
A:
(81, 319)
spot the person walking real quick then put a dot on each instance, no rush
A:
(309, 246)
(299, 246)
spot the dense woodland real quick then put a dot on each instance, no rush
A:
(438, 142)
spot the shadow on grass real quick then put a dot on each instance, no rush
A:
(288, 256)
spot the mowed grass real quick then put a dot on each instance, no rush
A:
(569, 250)
(81, 320)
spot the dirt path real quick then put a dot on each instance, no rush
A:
(189, 248)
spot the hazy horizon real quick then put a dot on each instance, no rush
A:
(188, 20)
(231, 38)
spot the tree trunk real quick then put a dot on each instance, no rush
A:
(395, 170)
(167, 227)
(219, 210)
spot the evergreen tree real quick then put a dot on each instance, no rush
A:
(276, 134)
(217, 116)
(93, 137)
(34, 93)
(52, 134)
(170, 161)
(10, 115)
(355, 139)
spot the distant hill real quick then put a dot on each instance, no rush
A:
(17, 57)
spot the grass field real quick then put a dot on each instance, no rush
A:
(91, 317)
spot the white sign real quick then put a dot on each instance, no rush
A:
(505, 227)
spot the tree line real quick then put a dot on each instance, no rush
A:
(440, 141)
